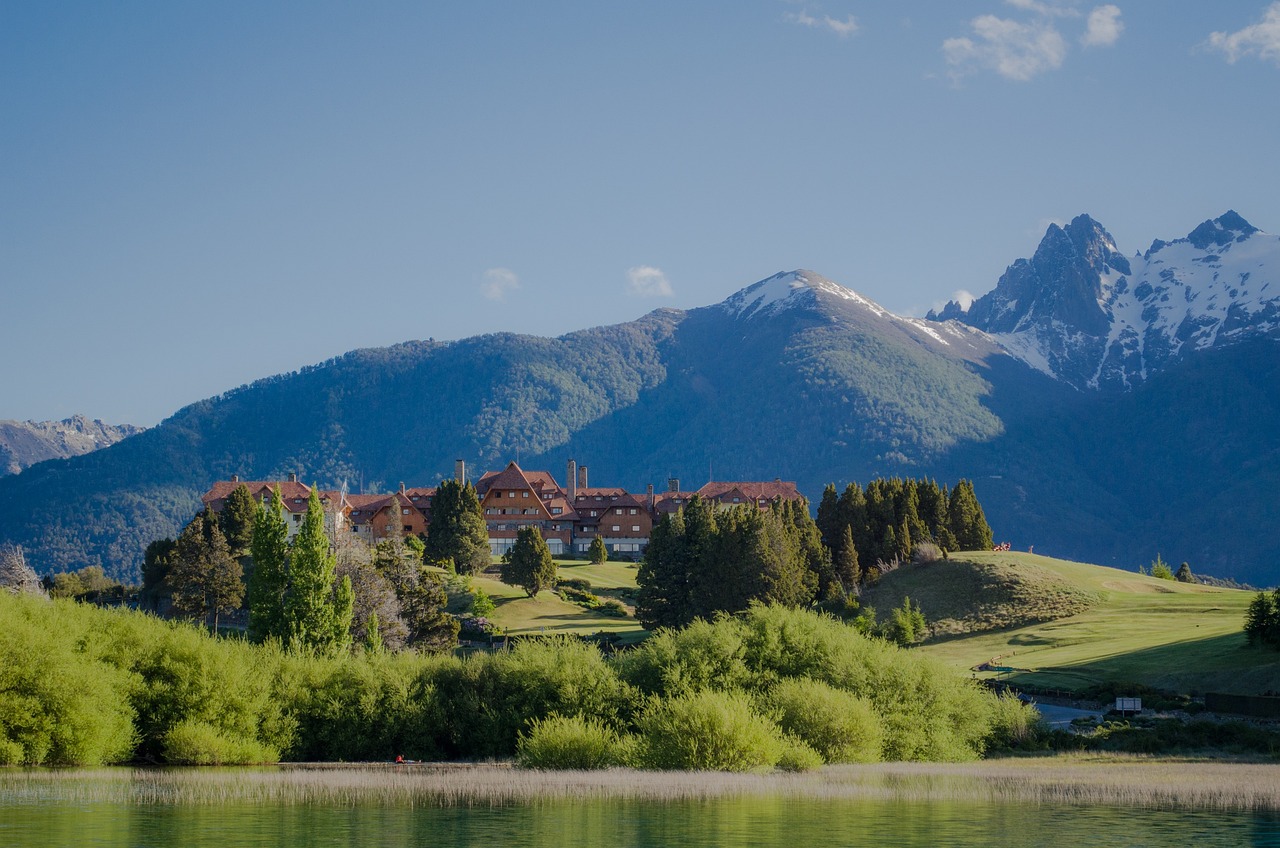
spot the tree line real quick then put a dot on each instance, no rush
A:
(704, 559)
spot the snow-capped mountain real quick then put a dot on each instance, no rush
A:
(1081, 311)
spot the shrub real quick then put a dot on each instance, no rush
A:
(481, 603)
(199, 743)
(839, 726)
(926, 552)
(612, 607)
(797, 756)
(1161, 569)
(1014, 724)
(704, 655)
(571, 742)
(709, 731)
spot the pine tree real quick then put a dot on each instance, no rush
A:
(663, 577)
(829, 523)
(457, 531)
(239, 514)
(269, 547)
(205, 579)
(968, 524)
(528, 564)
(1184, 574)
(1260, 619)
(847, 570)
(314, 613)
(598, 552)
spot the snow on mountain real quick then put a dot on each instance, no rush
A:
(1083, 313)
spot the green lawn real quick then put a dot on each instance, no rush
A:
(1135, 629)
(549, 613)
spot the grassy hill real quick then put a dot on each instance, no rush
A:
(1070, 625)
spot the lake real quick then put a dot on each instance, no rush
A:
(978, 805)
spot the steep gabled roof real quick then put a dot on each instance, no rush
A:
(752, 490)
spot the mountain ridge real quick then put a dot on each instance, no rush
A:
(793, 376)
(24, 443)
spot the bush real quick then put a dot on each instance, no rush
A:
(704, 655)
(1014, 725)
(612, 607)
(481, 603)
(839, 726)
(571, 742)
(709, 731)
(797, 756)
(199, 743)
(926, 552)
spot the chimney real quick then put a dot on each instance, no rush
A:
(293, 477)
(235, 478)
(582, 476)
(649, 492)
(673, 484)
(571, 474)
(460, 471)
(402, 487)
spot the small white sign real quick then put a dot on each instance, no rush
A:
(1128, 705)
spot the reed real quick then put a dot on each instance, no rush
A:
(1062, 780)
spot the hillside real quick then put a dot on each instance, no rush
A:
(24, 443)
(794, 377)
(1127, 627)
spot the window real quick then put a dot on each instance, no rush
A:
(619, 510)
(511, 494)
(616, 528)
(597, 498)
(594, 513)
(297, 517)
(524, 494)
(404, 512)
(631, 511)
(735, 500)
(635, 528)
(555, 510)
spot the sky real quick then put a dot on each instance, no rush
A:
(197, 195)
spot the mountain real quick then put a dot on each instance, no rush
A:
(24, 443)
(1170, 448)
(1082, 312)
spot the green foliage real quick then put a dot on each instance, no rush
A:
(1262, 619)
(269, 546)
(798, 756)
(481, 603)
(1184, 574)
(430, 628)
(838, 725)
(1015, 725)
(968, 523)
(528, 563)
(237, 519)
(572, 742)
(703, 560)
(199, 743)
(58, 704)
(598, 552)
(88, 583)
(708, 731)
(1161, 569)
(204, 579)
(317, 617)
(457, 531)
(155, 568)
(906, 625)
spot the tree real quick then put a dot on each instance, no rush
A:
(239, 514)
(663, 598)
(15, 574)
(907, 625)
(528, 564)
(1184, 574)
(430, 627)
(1262, 619)
(1160, 569)
(374, 598)
(269, 546)
(155, 568)
(205, 579)
(847, 570)
(457, 531)
(317, 613)
(598, 552)
(968, 524)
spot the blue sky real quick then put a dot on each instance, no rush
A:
(196, 195)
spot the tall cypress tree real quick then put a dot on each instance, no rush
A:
(269, 580)
(968, 523)
(845, 564)
(239, 514)
(317, 617)
(457, 530)
(663, 578)
(829, 516)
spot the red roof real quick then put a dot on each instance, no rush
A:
(752, 490)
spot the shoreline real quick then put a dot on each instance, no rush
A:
(1123, 781)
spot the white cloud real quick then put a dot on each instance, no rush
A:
(961, 296)
(843, 28)
(1104, 27)
(496, 282)
(1046, 9)
(1016, 51)
(1261, 39)
(648, 281)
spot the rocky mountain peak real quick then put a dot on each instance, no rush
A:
(790, 290)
